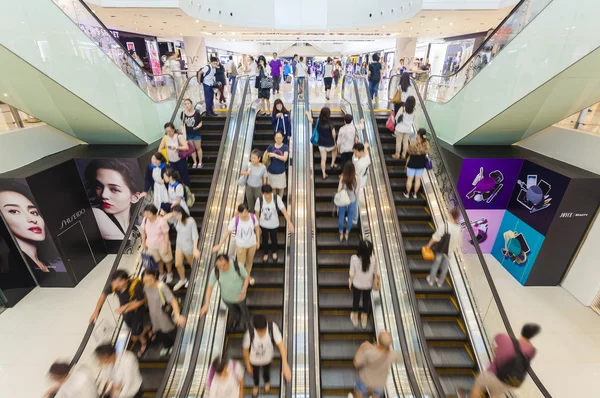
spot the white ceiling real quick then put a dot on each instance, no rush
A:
(174, 23)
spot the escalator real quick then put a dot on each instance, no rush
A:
(62, 65)
(443, 323)
(152, 365)
(535, 69)
(338, 338)
(266, 296)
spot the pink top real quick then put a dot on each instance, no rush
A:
(155, 232)
(505, 351)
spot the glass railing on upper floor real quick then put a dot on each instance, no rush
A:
(587, 120)
(442, 88)
(159, 87)
(478, 297)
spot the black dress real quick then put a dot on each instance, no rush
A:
(263, 93)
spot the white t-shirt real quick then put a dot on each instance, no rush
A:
(79, 385)
(300, 69)
(209, 75)
(328, 70)
(229, 66)
(126, 371)
(253, 69)
(229, 386)
(362, 169)
(262, 351)
(405, 125)
(178, 192)
(268, 214)
(245, 236)
(362, 280)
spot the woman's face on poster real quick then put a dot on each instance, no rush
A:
(112, 192)
(22, 216)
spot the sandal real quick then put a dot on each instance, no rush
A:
(325, 176)
(265, 258)
(396, 156)
(274, 257)
(142, 350)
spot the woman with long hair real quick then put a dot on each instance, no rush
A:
(281, 120)
(362, 273)
(28, 227)
(326, 138)
(404, 121)
(263, 93)
(192, 120)
(173, 142)
(328, 76)
(186, 245)
(418, 151)
(349, 182)
(406, 90)
(113, 186)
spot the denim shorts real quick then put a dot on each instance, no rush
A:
(414, 172)
(361, 388)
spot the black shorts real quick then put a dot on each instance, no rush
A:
(328, 81)
(135, 321)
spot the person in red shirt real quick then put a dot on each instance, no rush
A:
(504, 351)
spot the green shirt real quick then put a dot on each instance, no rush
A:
(230, 282)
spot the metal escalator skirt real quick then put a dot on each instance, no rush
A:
(180, 368)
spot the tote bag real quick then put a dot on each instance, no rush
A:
(314, 138)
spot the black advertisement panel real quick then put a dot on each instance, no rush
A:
(29, 229)
(69, 217)
(15, 278)
(113, 188)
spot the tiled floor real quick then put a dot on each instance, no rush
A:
(568, 358)
(48, 324)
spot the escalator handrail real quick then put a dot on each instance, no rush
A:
(187, 383)
(472, 236)
(124, 242)
(404, 260)
(466, 64)
(182, 98)
(192, 278)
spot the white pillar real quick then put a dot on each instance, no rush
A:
(405, 48)
(195, 50)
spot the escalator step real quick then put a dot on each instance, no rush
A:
(338, 377)
(335, 299)
(333, 241)
(258, 259)
(341, 324)
(151, 379)
(400, 200)
(275, 379)
(334, 278)
(235, 350)
(414, 246)
(436, 307)
(443, 330)
(418, 264)
(451, 357)
(412, 213)
(416, 230)
(450, 383)
(268, 277)
(263, 298)
(335, 260)
(339, 350)
(420, 285)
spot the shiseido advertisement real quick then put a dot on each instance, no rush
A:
(63, 201)
(113, 188)
(15, 278)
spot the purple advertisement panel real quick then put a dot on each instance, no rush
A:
(488, 183)
(537, 195)
(486, 224)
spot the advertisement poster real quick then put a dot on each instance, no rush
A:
(485, 224)
(28, 226)
(15, 278)
(63, 201)
(153, 57)
(488, 183)
(130, 46)
(517, 246)
(113, 188)
(537, 195)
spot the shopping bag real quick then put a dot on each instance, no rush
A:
(391, 122)
(314, 138)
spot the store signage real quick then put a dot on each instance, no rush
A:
(114, 33)
(573, 215)
(69, 220)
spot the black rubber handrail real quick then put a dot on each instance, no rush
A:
(127, 237)
(483, 44)
(185, 389)
(412, 297)
(473, 239)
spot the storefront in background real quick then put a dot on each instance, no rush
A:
(144, 46)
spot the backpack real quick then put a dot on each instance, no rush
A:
(134, 283)
(514, 371)
(269, 331)
(211, 374)
(207, 73)
(236, 266)
(190, 198)
(237, 220)
(279, 213)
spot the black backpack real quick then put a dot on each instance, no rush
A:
(269, 331)
(236, 266)
(279, 213)
(204, 74)
(514, 371)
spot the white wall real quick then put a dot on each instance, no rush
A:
(580, 149)
(24, 146)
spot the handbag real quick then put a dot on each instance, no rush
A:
(427, 253)
(266, 82)
(166, 307)
(397, 97)
(314, 138)
(342, 199)
(164, 150)
(391, 122)
(266, 159)
(148, 262)
(428, 164)
(376, 282)
(243, 180)
(184, 154)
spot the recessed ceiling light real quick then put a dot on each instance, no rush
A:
(435, 19)
(383, 27)
(197, 21)
(422, 24)
(181, 34)
(135, 22)
(451, 24)
(411, 28)
(220, 26)
(94, 11)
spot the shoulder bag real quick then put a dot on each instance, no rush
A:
(342, 199)
(266, 159)
(314, 138)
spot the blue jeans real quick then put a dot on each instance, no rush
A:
(351, 208)
(373, 88)
(362, 388)
(232, 80)
(209, 96)
(300, 85)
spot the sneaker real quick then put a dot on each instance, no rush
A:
(440, 283)
(180, 284)
(194, 165)
(169, 277)
(200, 165)
(414, 195)
(429, 281)
(405, 194)
(187, 283)
(165, 351)
(252, 281)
